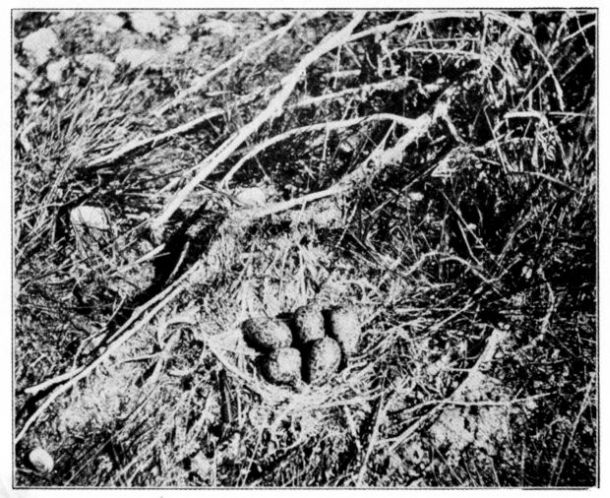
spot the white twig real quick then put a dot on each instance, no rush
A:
(132, 146)
(326, 126)
(394, 85)
(273, 109)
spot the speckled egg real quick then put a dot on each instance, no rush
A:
(282, 366)
(345, 328)
(309, 324)
(267, 333)
(323, 357)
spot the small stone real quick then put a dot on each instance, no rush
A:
(276, 17)
(111, 23)
(186, 18)
(322, 360)
(220, 28)
(327, 216)
(56, 70)
(135, 57)
(252, 196)
(39, 45)
(97, 62)
(267, 333)
(203, 466)
(309, 323)
(282, 366)
(416, 196)
(41, 460)
(345, 328)
(178, 44)
(147, 23)
(92, 228)
(91, 217)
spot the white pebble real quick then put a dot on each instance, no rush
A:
(111, 23)
(41, 460)
(55, 70)
(327, 217)
(147, 23)
(220, 28)
(186, 18)
(90, 217)
(276, 17)
(39, 45)
(178, 44)
(92, 228)
(252, 196)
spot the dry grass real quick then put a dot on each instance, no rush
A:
(435, 169)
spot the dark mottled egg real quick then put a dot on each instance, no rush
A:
(267, 333)
(323, 357)
(282, 366)
(345, 328)
(309, 324)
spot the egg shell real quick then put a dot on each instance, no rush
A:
(282, 366)
(267, 333)
(309, 324)
(345, 329)
(322, 360)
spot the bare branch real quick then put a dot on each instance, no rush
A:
(274, 108)
(326, 126)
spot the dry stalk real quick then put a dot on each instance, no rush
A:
(138, 144)
(379, 418)
(326, 126)
(273, 109)
(132, 146)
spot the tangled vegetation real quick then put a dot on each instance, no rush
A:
(434, 169)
